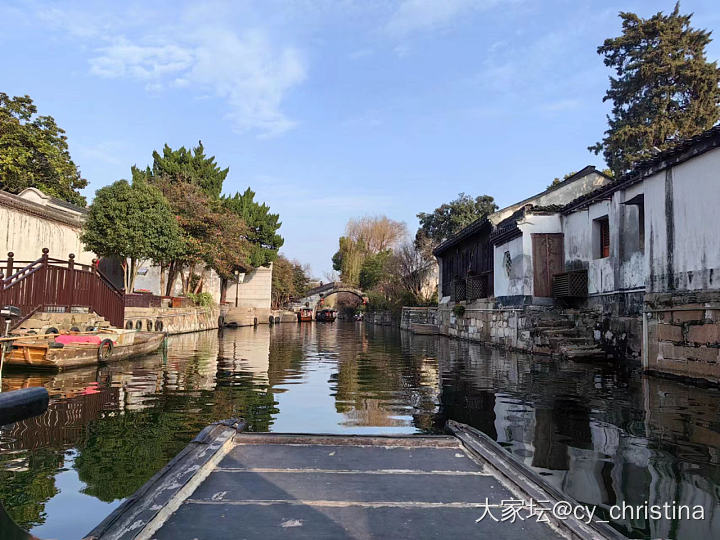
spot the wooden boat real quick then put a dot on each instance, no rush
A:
(305, 314)
(46, 353)
(230, 484)
(326, 315)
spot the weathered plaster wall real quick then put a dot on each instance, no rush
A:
(519, 279)
(254, 291)
(625, 268)
(27, 226)
(566, 192)
(682, 235)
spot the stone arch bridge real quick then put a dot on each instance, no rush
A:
(313, 296)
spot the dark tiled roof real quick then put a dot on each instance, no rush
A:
(679, 153)
(475, 226)
(70, 206)
(471, 229)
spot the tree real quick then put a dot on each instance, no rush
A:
(187, 166)
(348, 260)
(449, 218)
(262, 226)
(377, 233)
(664, 89)
(211, 235)
(374, 269)
(34, 152)
(133, 222)
(289, 279)
(413, 269)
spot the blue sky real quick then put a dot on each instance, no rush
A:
(328, 109)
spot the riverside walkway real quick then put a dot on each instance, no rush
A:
(228, 484)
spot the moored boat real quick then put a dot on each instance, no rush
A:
(326, 315)
(66, 351)
(305, 314)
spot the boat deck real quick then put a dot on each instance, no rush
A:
(245, 485)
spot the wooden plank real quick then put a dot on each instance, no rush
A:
(517, 474)
(145, 510)
(437, 441)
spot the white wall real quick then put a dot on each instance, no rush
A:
(516, 283)
(696, 230)
(27, 226)
(625, 268)
(255, 290)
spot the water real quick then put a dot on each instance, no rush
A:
(600, 435)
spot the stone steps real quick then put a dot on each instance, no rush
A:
(558, 335)
(587, 352)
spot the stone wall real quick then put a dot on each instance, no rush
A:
(683, 334)
(173, 320)
(384, 318)
(417, 315)
(548, 330)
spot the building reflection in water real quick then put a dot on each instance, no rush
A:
(601, 435)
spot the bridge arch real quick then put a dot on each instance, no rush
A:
(357, 292)
(316, 295)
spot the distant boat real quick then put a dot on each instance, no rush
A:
(305, 314)
(326, 315)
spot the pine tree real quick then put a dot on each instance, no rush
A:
(262, 226)
(664, 90)
(183, 165)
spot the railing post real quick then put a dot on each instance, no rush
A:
(44, 291)
(71, 273)
(10, 263)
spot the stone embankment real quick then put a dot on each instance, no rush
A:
(683, 334)
(173, 320)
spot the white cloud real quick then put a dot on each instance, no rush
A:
(417, 15)
(205, 51)
(126, 59)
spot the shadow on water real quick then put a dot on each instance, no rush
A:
(600, 435)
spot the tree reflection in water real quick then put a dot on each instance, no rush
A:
(602, 436)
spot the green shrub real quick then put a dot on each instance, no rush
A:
(459, 310)
(203, 299)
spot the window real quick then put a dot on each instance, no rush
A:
(601, 237)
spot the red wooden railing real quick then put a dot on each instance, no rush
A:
(55, 285)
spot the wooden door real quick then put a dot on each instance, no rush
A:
(548, 259)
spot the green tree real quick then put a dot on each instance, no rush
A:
(187, 166)
(34, 152)
(211, 236)
(664, 90)
(262, 226)
(348, 259)
(133, 222)
(374, 270)
(449, 218)
(289, 279)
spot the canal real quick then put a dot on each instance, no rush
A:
(601, 435)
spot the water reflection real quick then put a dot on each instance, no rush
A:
(603, 437)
